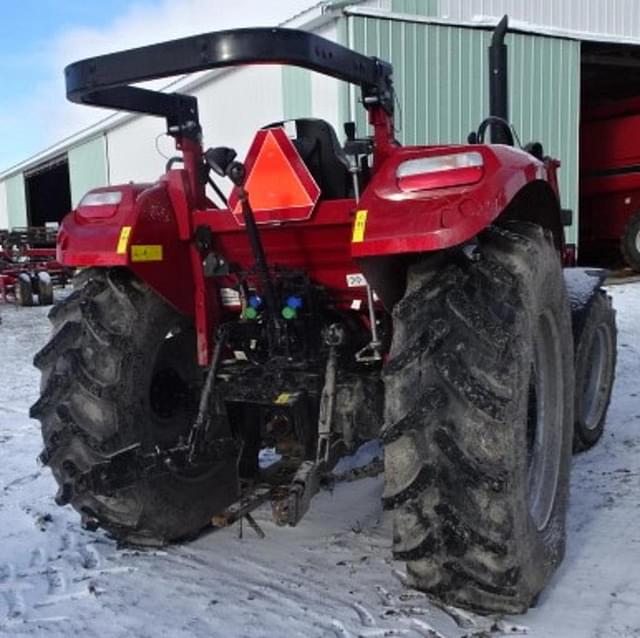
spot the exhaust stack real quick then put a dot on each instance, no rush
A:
(498, 96)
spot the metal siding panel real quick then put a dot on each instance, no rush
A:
(400, 81)
(415, 7)
(4, 211)
(16, 201)
(87, 168)
(296, 92)
(344, 102)
(592, 17)
(409, 95)
(361, 33)
(435, 86)
(325, 90)
(441, 81)
(421, 78)
(544, 103)
(132, 149)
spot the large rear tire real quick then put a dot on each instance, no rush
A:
(120, 369)
(479, 420)
(595, 371)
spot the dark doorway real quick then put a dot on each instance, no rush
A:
(610, 73)
(48, 192)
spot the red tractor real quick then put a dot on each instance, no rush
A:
(342, 293)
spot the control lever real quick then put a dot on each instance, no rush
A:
(222, 161)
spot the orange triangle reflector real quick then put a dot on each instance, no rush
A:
(280, 186)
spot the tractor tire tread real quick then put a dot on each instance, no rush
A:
(89, 410)
(447, 424)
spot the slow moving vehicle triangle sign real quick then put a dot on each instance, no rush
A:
(280, 186)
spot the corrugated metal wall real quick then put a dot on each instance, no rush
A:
(309, 94)
(415, 7)
(87, 167)
(411, 7)
(16, 201)
(442, 86)
(296, 92)
(4, 211)
(608, 18)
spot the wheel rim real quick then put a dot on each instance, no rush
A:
(544, 422)
(598, 382)
(637, 242)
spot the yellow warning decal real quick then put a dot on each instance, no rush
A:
(359, 226)
(123, 240)
(282, 399)
(146, 253)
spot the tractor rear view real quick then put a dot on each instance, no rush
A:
(341, 293)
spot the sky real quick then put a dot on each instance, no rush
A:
(38, 38)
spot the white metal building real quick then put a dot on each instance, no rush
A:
(561, 53)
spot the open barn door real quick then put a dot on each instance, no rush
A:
(48, 192)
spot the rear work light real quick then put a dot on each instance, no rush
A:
(99, 205)
(440, 171)
(104, 198)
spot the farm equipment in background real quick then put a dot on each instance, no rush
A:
(610, 183)
(342, 293)
(28, 266)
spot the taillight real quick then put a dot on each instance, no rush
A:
(99, 205)
(440, 171)
(102, 198)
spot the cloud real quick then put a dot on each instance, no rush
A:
(51, 117)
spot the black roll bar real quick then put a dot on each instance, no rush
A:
(104, 80)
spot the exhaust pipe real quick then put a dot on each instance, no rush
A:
(498, 96)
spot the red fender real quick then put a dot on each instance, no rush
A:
(149, 231)
(144, 219)
(397, 222)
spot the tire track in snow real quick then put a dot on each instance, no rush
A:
(22, 480)
(11, 592)
(46, 580)
(304, 595)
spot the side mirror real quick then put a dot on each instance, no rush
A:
(219, 159)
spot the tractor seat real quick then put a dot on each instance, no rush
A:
(318, 146)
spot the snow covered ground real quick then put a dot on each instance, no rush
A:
(331, 576)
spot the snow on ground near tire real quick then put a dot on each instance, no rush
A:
(330, 576)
